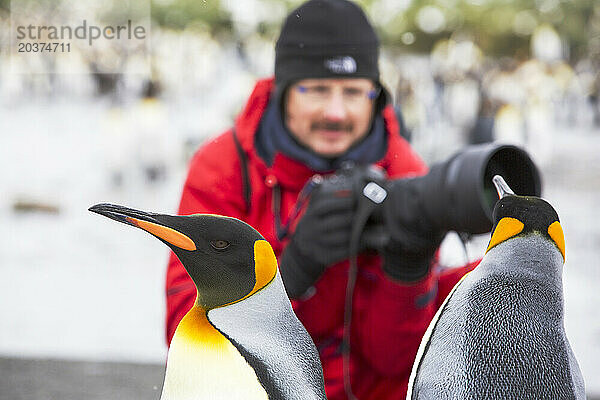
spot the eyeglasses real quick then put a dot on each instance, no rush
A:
(350, 95)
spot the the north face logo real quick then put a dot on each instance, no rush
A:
(341, 65)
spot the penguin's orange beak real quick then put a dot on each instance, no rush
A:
(145, 221)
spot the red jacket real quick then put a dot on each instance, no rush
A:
(389, 317)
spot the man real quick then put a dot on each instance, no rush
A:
(325, 106)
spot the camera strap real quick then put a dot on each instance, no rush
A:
(281, 230)
(246, 187)
(373, 195)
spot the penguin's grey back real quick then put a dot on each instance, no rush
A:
(501, 333)
(264, 328)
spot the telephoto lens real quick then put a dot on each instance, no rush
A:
(458, 194)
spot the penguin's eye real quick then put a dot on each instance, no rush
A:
(219, 244)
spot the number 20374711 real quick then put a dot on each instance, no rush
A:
(50, 47)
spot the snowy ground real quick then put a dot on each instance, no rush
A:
(78, 286)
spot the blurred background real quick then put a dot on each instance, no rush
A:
(81, 298)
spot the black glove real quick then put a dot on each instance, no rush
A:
(413, 240)
(321, 238)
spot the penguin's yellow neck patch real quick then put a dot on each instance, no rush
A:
(203, 364)
(506, 228)
(556, 233)
(167, 234)
(195, 327)
(265, 267)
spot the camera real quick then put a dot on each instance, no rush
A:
(456, 195)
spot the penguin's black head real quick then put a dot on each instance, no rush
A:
(519, 215)
(227, 259)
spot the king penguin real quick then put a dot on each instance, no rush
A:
(500, 333)
(241, 339)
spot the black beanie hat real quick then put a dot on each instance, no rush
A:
(326, 39)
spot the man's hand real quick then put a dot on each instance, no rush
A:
(412, 241)
(321, 238)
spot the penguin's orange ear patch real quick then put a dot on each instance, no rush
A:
(265, 267)
(556, 233)
(265, 264)
(506, 228)
(167, 234)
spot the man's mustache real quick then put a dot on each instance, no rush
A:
(331, 126)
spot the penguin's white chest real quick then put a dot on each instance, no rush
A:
(204, 364)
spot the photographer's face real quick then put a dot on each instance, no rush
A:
(330, 115)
